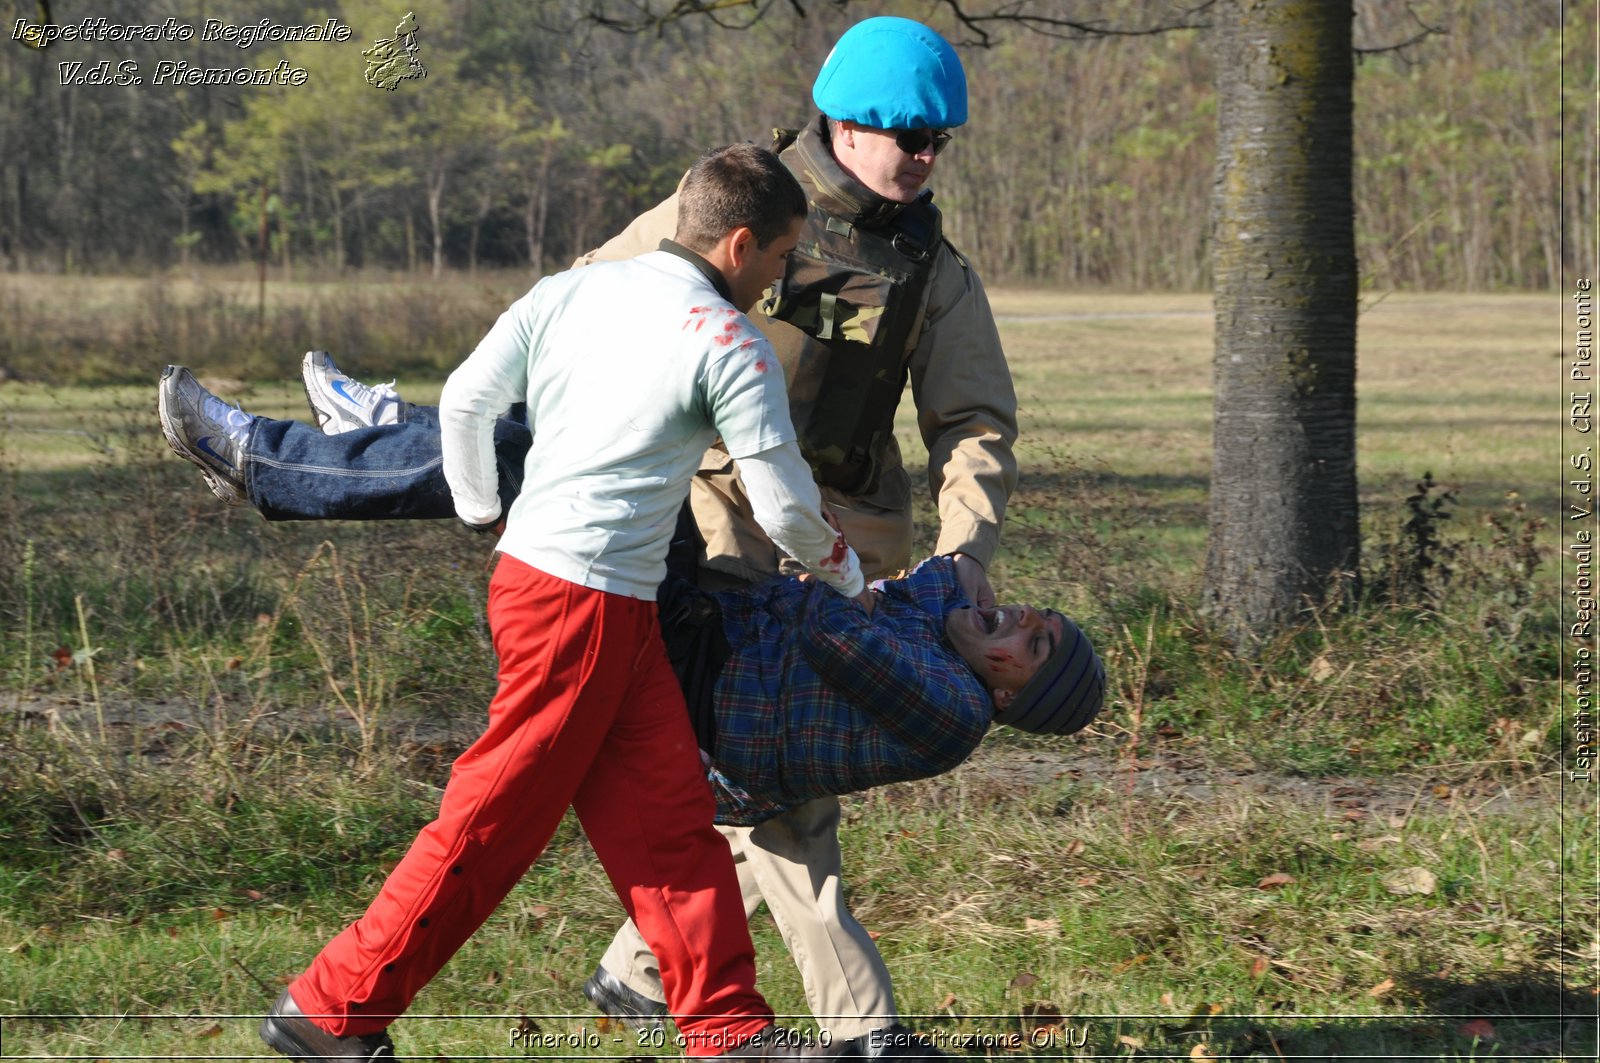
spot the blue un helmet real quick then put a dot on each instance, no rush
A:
(893, 73)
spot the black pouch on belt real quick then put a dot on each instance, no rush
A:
(691, 626)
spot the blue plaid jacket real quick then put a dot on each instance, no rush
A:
(818, 698)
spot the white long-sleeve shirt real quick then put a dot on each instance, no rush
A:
(629, 371)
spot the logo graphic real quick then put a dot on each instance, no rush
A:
(203, 444)
(338, 389)
(392, 61)
(33, 36)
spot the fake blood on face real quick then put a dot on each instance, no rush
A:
(1002, 661)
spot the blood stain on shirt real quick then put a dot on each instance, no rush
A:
(834, 562)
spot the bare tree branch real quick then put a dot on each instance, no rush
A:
(1424, 31)
(641, 16)
(980, 26)
(1020, 13)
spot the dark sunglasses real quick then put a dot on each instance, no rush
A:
(916, 141)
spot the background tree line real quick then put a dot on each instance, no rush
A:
(535, 135)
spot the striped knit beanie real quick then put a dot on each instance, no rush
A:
(1065, 694)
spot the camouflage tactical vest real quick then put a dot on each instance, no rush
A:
(854, 294)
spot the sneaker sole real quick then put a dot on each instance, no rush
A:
(220, 487)
(329, 424)
(318, 418)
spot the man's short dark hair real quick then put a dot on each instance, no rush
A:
(740, 185)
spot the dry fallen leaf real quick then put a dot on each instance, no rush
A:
(1166, 999)
(1273, 881)
(1260, 966)
(1131, 1042)
(1200, 1051)
(1023, 980)
(1046, 927)
(1125, 964)
(1321, 669)
(948, 1002)
(1372, 845)
(1409, 881)
(210, 1031)
(1441, 791)
(1381, 988)
(1482, 1029)
(1041, 1013)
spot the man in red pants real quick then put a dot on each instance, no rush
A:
(588, 712)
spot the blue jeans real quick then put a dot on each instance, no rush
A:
(392, 472)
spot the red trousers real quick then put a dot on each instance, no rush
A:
(587, 714)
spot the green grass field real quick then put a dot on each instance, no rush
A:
(217, 733)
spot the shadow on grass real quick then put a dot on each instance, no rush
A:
(1520, 1014)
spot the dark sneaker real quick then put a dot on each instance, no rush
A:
(287, 1030)
(201, 427)
(621, 1003)
(341, 403)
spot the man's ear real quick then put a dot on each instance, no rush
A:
(1002, 698)
(741, 244)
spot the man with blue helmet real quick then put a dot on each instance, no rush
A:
(874, 297)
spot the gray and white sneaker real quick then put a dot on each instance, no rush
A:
(341, 403)
(287, 1030)
(201, 427)
(621, 1002)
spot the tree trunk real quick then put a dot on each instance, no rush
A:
(1283, 524)
(337, 202)
(436, 219)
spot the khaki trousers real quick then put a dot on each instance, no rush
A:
(793, 862)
